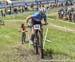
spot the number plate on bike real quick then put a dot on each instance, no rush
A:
(37, 26)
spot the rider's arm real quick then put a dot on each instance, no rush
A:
(45, 19)
(27, 19)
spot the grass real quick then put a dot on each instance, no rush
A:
(20, 16)
(53, 19)
(62, 23)
(1, 0)
(62, 44)
(11, 49)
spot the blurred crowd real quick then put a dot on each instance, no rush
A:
(20, 9)
(67, 14)
(10, 10)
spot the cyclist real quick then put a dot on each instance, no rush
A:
(37, 18)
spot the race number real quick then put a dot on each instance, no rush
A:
(37, 26)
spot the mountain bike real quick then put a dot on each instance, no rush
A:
(38, 40)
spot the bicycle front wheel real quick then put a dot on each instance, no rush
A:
(39, 43)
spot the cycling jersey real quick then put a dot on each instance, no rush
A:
(38, 17)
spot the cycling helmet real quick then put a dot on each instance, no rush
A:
(42, 10)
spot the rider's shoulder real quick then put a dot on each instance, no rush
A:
(35, 14)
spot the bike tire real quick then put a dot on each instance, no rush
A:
(39, 43)
(35, 44)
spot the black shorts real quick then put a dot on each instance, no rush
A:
(36, 22)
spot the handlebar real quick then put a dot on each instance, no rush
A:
(30, 26)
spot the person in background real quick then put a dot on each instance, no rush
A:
(26, 7)
(2, 14)
(15, 11)
(70, 15)
(73, 17)
(23, 31)
(61, 13)
(65, 13)
(39, 7)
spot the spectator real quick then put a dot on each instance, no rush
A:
(22, 9)
(19, 9)
(70, 16)
(26, 7)
(66, 13)
(5, 10)
(23, 31)
(32, 6)
(39, 7)
(15, 10)
(61, 13)
(61, 4)
(2, 13)
(9, 11)
(73, 17)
